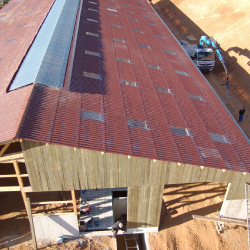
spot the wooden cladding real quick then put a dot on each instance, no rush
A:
(144, 206)
(55, 168)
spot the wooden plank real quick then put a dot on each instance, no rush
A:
(13, 175)
(11, 161)
(31, 224)
(20, 181)
(13, 156)
(10, 189)
(27, 189)
(74, 201)
(9, 141)
(4, 149)
(52, 202)
(144, 206)
(240, 223)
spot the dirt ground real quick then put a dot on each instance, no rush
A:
(180, 231)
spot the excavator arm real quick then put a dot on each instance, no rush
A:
(204, 41)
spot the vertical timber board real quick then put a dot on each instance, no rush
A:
(144, 206)
(32, 166)
(55, 170)
(82, 168)
(74, 161)
(123, 166)
(111, 167)
(237, 187)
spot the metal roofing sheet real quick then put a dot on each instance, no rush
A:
(47, 58)
(12, 105)
(58, 113)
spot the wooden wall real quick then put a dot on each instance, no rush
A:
(144, 206)
(55, 168)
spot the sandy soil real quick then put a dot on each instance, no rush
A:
(180, 231)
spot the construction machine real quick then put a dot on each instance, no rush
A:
(203, 55)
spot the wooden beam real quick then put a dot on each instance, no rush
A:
(27, 189)
(20, 181)
(10, 189)
(240, 223)
(4, 149)
(74, 201)
(31, 224)
(9, 141)
(50, 202)
(13, 175)
(11, 161)
(13, 156)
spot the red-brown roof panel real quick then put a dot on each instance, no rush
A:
(162, 109)
(12, 105)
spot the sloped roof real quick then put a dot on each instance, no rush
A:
(19, 23)
(131, 89)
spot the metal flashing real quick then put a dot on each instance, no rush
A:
(129, 83)
(142, 8)
(9, 20)
(13, 39)
(139, 31)
(169, 52)
(163, 90)
(114, 25)
(160, 36)
(123, 60)
(29, 14)
(92, 34)
(111, 14)
(119, 40)
(144, 46)
(92, 75)
(138, 124)
(85, 114)
(93, 2)
(92, 53)
(147, 16)
(152, 24)
(220, 138)
(93, 10)
(129, 11)
(181, 131)
(196, 97)
(132, 19)
(92, 20)
(112, 10)
(153, 66)
(21, 25)
(181, 73)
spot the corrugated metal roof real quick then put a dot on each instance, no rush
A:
(54, 116)
(47, 58)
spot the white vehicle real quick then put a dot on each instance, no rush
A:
(204, 58)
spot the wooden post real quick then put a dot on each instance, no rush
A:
(31, 223)
(74, 201)
(20, 181)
